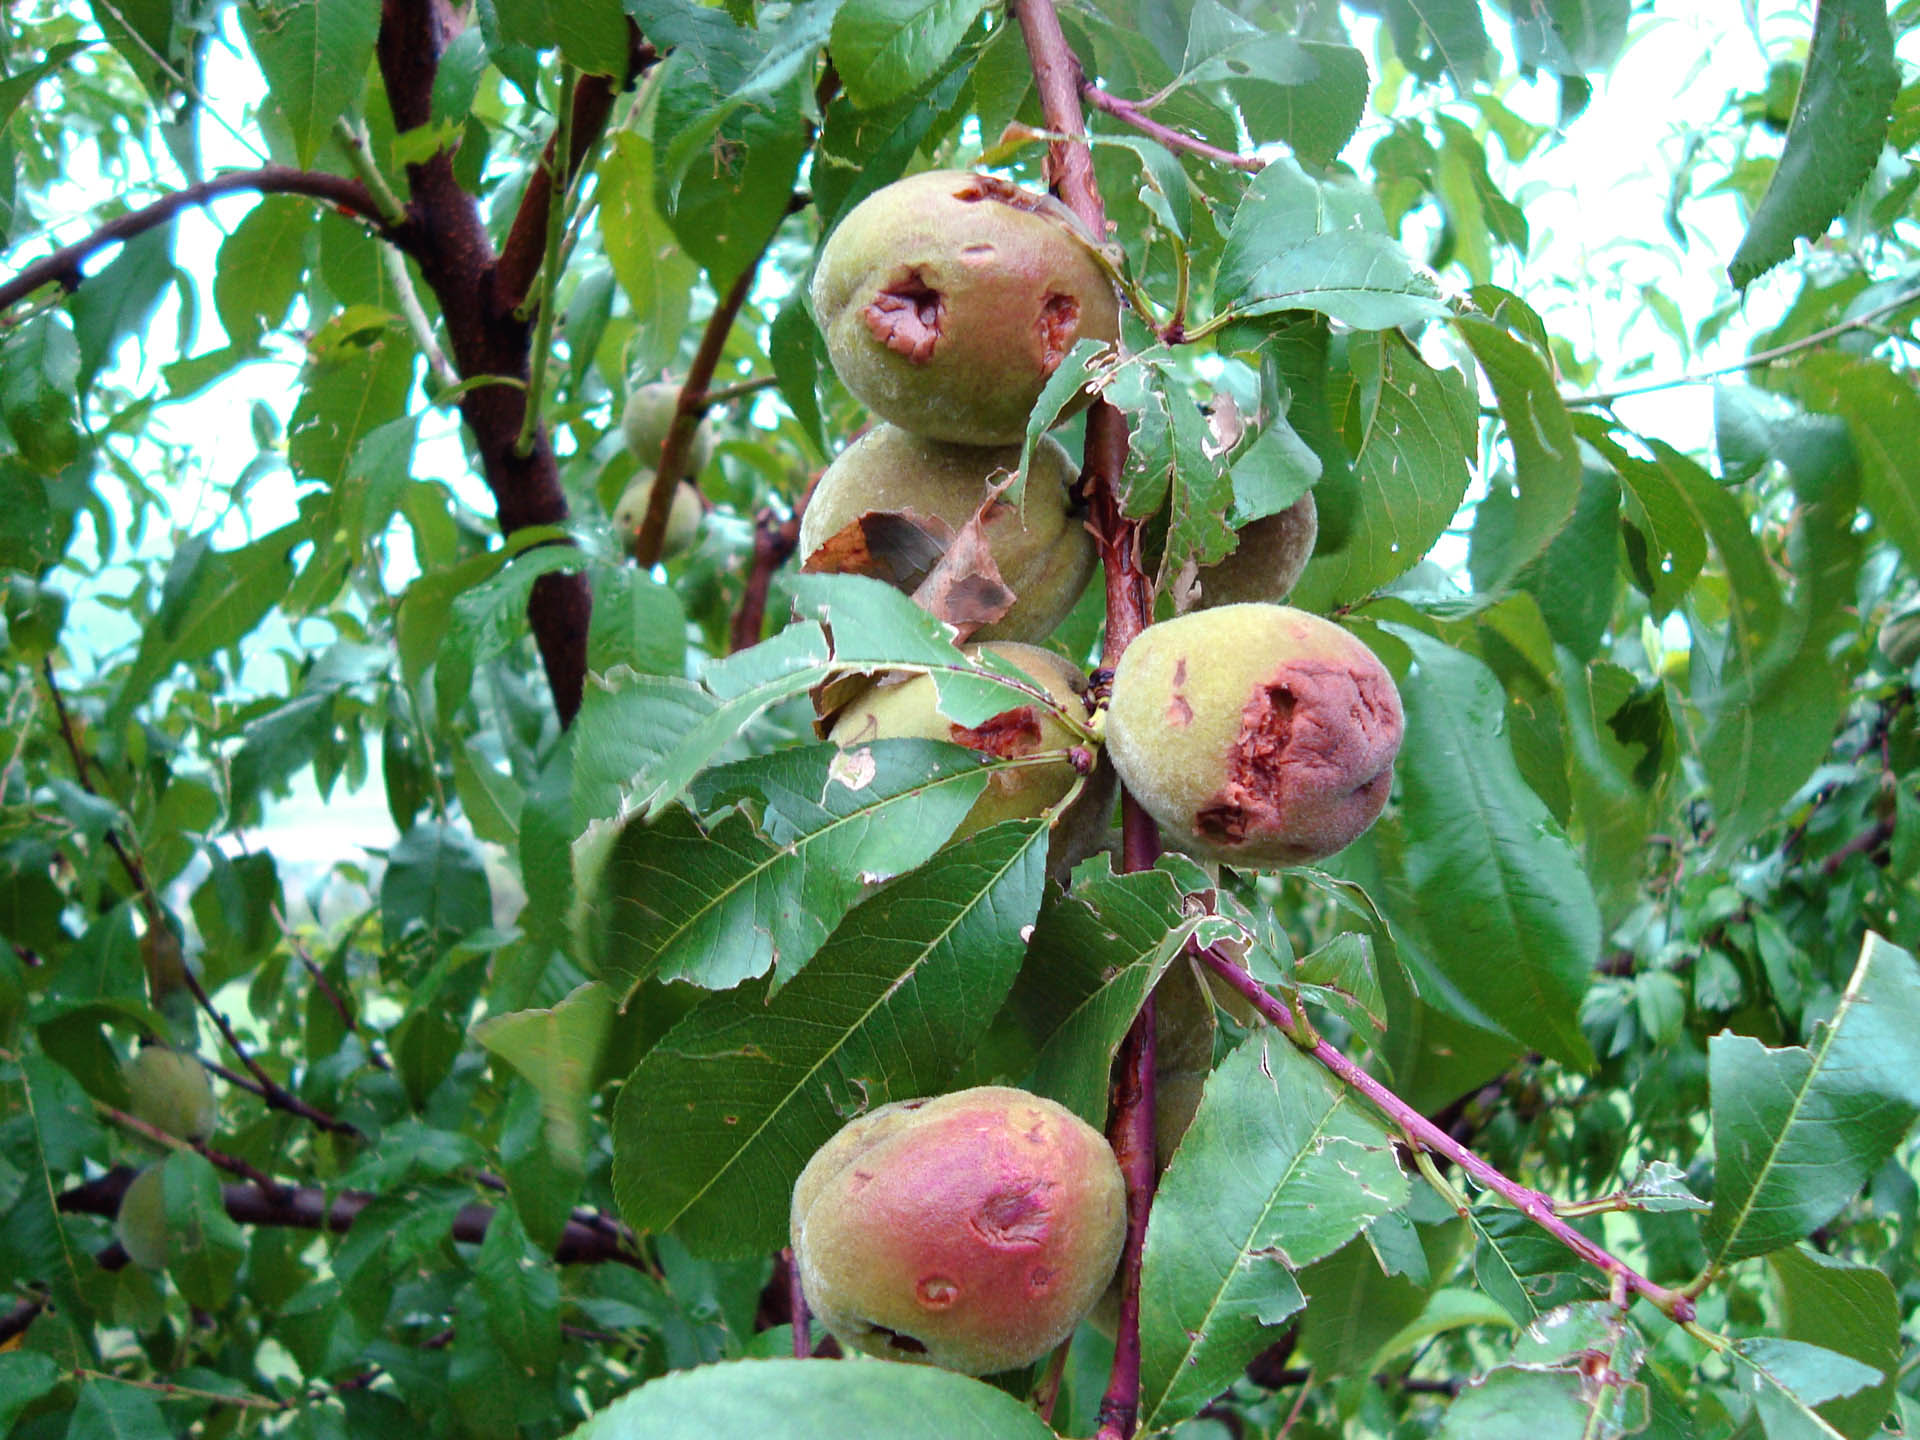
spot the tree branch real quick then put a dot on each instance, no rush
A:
(308, 1207)
(62, 267)
(1056, 74)
(1423, 1134)
(1131, 114)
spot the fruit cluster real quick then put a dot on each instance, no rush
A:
(975, 1230)
(648, 416)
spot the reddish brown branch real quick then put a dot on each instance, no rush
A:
(63, 267)
(774, 540)
(1130, 1128)
(678, 444)
(1131, 114)
(1424, 1134)
(308, 1207)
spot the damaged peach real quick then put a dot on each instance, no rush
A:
(1255, 734)
(894, 505)
(1266, 564)
(948, 299)
(971, 1231)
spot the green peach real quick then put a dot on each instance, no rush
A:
(1255, 734)
(971, 1231)
(141, 1224)
(647, 418)
(171, 1092)
(1041, 548)
(947, 300)
(1266, 564)
(683, 515)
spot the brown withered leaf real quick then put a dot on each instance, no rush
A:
(900, 547)
(965, 589)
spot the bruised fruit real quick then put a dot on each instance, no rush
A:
(971, 1231)
(949, 298)
(906, 707)
(895, 505)
(171, 1092)
(141, 1225)
(1266, 564)
(1255, 734)
(648, 417)
(683, 517)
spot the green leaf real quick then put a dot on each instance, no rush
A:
(314, 54)
(558, 1052)
(1280, 1168)
(716, 905)
(1314, 117)
(213, 599)
(358, 377)
(1848, 1308)
(1665, 535)
(1570, 37)
(885, 49)
(1297, 244)
(204, 1245)
(1483, 851)
(1788, 1378)
(1415, 427)
(1169, 464)
(591, 34)
(522, 1295)
(1547, 467)
(1094, 958)
(1840, 121)
(110, 1411)
(436, 881)
(1883, 420)
(647, 260)
(722, 1114)
(802, 1400)
(1436, 37)
(39, 378)
(119, 299)
(1797, 1132)
(1510, 1403)
(25, 1376)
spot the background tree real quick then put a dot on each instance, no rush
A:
(1573, 1099)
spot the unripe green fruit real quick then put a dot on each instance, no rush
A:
(1042, 551)
(35, 615)
(1255, 734)
(171, 1092)
(971, 1231)
(947, 300)
(648, 417)
(1900, 637)
(1266, 564)
(141, 1225)
(683, 515)
(906, 707)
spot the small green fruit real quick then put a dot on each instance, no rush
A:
(1255, 734)
(902, 706)
(648, 417)
(141, 1225)
(971, 1231)
(947, 300)
(683, 515)
(1900, 637)
(1266, 564)
(1041, 549)
(35, 615)
(171, 1092)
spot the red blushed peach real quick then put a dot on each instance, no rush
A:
(1255, 734)
(971, 1231)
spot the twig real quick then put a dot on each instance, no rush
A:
(739, 390)
(310, 1207)
(219, 1159)
(62, 267)
(1423, 1134)
(353, 140)
(559, 182)
(1131, 114)
(678, 444)
(1751, 362)
(774, 540)
(242, 1401)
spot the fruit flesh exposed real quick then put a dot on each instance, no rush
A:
(1041, 549)
(1255, 734)
(971, 1231)
(908, 708)
(947, 300)
(1266, 564)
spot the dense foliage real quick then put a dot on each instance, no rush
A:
(1573, 1099)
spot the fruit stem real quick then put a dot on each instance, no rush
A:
(1423, 1134)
